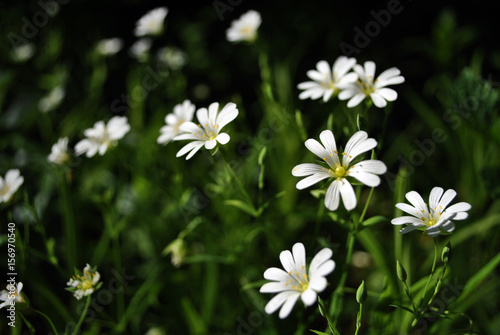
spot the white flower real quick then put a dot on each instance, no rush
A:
(434, 218)
(140, 49)
(9, 186)
(365, 171)
(59, 153)
(207, 132)
(52, 100)
(12, 293)
(327, 82)
(84, 284)
(152, 22)
(109, 46)
(23, 52)
(367, 85)
(182, 113)
(174, 58)
(296, 281)
(101, 136)
(245, 28)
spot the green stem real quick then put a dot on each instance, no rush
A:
(358, 321)
(117, 259)
(46, 318)
(69, 224)
(80, 321)
(339, 291)
(408, 293)
(365, 208)
(432, 271)
(238, 182)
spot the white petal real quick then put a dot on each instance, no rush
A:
(332, 196)
(435, 196)
(328, 141)
(388, 94)
(213, 109)
(459, 215)
(278, 300)
(299, 255)
(390, 81)
(311, 180)
(323, 269)
(392, 72)
(288, 305)
(190, 127)
(226, 115)
(195, 150)
(309, 297)
(459, 207)
(406, 219)
(273, 287)
(347, 93)
(356, 146)
(348, 195)
(416, 200)
(307, 85)
(316, 148)
(323, 67)
(276, 274)
(202, 116)
(321, 257)
(307, 169)
(190, 146)
(407, 208)
(366, 178)
(328, 93)
(316, 76)
(355, 100)
(287, 260)
(370, 166)
(342, 65)
(370, 70)
(318, 283)
(448, 227)
(209, 145)
(408, 229)
(223, 138)
(182, 137)
(433, 231)
(448, 196)
(378, 100)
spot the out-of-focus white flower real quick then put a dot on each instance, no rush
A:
(84, 284)
(295, 281)
(140, 49)
(207, 132)
(59, 153)
(365, 171)
(155, 331)
(8, 186)
(178, 249)
(23, 52)
(173, 58)
(182, 113)
(245, 28)
(102, 136)
(12, 295)
(151, 23)
(434, 218)
(109, 46)
(368, 86)
(52, 100)
(328, 81)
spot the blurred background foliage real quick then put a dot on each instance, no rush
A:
(138, 205)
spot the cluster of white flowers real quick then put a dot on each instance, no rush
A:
(206, 133)
(8, 186)
(84, 284)
(12, 295)
(355, 86)
(245, 28)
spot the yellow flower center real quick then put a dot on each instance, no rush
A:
(299, 280)
(4, 190)
(339, 171)
(366, 86)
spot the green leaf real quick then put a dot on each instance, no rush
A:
(318, 332)
(400, 270)
(477, 279)
(242, 206)
(193, 318)
(403, 308)
(374, 220)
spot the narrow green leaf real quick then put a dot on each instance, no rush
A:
(242, 206)
(477, 279)
(403, 308)
(193, 318)
(374, 220)
(318, 332)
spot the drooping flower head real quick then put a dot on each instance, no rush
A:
(84, 284)
(109, 46)
(328, 81)
(152, 22)
(182, 113)
(339, 170)
(433, 218)
(140, 49)
(245, 28)
(52, 100)
(102, 136)
(207, 132)
(59, 153)
(296, 281)
(12, 295)
(368, 86)
(8, 186)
